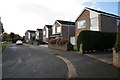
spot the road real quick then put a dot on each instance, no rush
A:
(20, 61)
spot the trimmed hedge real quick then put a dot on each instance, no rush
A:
(117, 44)
(62, 41)
(95, 40)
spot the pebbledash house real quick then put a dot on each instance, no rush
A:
(95, 20)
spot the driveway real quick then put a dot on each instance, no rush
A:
(20, 61)
(86, 67)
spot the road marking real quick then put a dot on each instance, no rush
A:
(72, 73)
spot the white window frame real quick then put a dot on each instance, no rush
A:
(59, 29)
(81, 24)
(94, 21)
(47, 32)
(94, 24)
(43, 32)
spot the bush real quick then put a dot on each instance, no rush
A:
(62, 41)
(94, 40)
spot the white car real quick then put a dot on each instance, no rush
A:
(19, 42)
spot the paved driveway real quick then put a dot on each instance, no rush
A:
(86, 67)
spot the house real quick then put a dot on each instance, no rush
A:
(63, 29)
(47, 31)
(39, 35)
(30, 35)
(91, 19)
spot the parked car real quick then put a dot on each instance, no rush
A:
(19, 42)
(29, 41)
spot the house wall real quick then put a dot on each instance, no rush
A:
(39, 34)
(26, 36)
(65, 32)
(108, 24)
(44, 34)
(57, 25)
(68, 31)
(48, 32)
(32, 35)
(85, 16)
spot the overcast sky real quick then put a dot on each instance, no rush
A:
(20, 15)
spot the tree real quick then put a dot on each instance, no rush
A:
(12, 36)
(2, 28)
(4, 36)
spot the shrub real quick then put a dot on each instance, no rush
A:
(62, 41)
(59, 41)
(117, 44)
(94, 40)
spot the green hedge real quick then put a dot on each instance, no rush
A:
(94, 40)
(117, 44)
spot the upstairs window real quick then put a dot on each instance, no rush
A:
(81, 24)
(94, 22)
(43, 32)
(59, 29)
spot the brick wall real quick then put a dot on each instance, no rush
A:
(108, 24)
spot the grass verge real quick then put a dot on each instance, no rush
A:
(3, 45)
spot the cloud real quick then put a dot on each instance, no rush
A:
(21, 15)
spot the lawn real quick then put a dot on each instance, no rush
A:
(3, 45)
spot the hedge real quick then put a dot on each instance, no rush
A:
(62, 41)
(95, 40)
(117, 44)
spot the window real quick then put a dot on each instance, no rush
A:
(33, 34)
(43, 32)
(59, 29)
(47, 32)
(72, 40)
(81, 24)
(94, 22)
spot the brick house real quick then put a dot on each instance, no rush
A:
(91, 19)
(39, 35)
(47, 31)
(29, 35)
(63, 29)
(94, 20)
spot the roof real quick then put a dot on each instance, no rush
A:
(39, 29)
(101, 12)
(31, 31)
(66, 22)
(48, 26)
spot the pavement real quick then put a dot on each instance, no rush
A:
(86, 67)
(21, 61)
(106, 56)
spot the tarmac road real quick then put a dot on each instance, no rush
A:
(20, 61)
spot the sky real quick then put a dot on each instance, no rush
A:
(20, 15)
